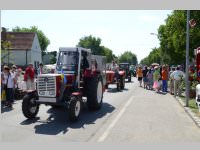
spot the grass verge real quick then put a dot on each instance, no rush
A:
(192, 106)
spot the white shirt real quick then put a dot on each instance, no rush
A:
(11, 81)
(5, 76)
(114, 67)
(177, 75)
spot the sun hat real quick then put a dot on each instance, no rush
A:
(13, 66)
(6, 67)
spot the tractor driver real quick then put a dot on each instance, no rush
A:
(85, 63)
(115, 68)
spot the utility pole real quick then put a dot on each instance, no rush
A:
(187, 58)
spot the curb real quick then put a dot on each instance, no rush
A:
(192, 115)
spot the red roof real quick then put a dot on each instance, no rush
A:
(19, 40)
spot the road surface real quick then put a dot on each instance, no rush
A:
(133, 115)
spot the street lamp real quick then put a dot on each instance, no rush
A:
(158, 35)
(154, 34)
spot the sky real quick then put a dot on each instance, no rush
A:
(119, 30)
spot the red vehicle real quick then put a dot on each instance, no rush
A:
(197, 54)
(78, 74)
(111, 78)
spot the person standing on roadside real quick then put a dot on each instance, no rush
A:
(14, 73)
(171, 84)
(139, 75)
(150, 78)
(177, 76)
(29, 77)
(8, 81)
(164, 79)
(145, 80)
(156, 77)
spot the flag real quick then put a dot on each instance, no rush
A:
(64, 78)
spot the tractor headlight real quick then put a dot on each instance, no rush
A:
(51, 93)
(42, 93)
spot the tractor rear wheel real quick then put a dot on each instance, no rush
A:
(129, 78)
(118, 84)
(94, 93)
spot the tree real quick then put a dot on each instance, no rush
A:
(50, 57)
(128, 57)
(43, 39)
(94, 44)
(108, 53)
(153, 57)
(53, 57)
(5, 46)
(172, 36)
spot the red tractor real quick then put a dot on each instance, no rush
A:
(118, 78)
(197, 54)
(78, 74)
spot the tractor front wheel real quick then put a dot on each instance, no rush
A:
(29, 106)
(75, 108)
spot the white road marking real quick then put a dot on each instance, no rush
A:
(105, 134)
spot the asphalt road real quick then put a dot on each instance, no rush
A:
(133, 115)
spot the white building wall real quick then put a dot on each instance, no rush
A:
(18, 57)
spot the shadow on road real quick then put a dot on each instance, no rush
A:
(58, 121)
(114, 90)
(5, 109)
(161, 93)
(30, 121)
(129, 82)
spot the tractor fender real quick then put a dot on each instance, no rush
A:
(76, 94)
(32, 93)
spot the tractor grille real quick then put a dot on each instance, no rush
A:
(46, 86)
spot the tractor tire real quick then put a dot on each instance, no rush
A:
(75, 108)
(129, 79)
(29, 107)
(95, 93)
(122, 83)
(55, 106)
(106, 86)
(118, 85)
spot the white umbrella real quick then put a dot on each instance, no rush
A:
(155, 64)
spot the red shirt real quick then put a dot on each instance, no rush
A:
(29, 73)
(164, 75)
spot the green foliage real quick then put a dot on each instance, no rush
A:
(94, 44)
(128, 57)
(172, 36)
(153, 57)
(43, 39)
(53, 57)
(5, 54)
